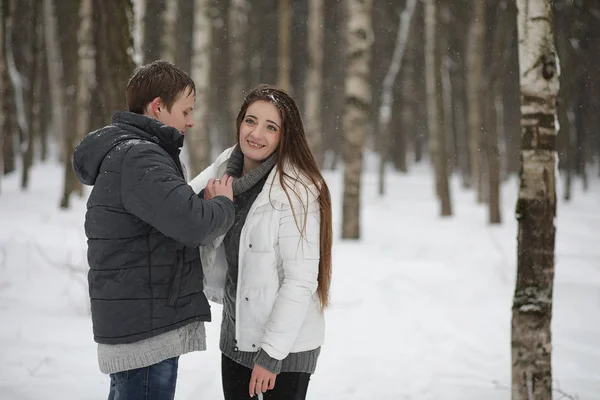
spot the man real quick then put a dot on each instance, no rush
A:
(144, 224)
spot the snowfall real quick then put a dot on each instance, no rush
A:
(421, 306)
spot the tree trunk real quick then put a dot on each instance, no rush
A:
(220, 117)
(55, 68)
(536, 204)
(475, 51)
(404, 111)
(114, 62)
(9, 126)
(85, 77)
(505, 15)
(197, 138)
(435, 106)
(387, 96)
(285, 17)
(238, 29)
(184, 35)
(33, 91)
(356, 113)
(68, 19)
(168, 41)
(299, 57)
(314, 79)
(2, 89)
(385, 29)
(152, 27)
(45, 97)
(334, 76)
(512, 113)
(419, 134)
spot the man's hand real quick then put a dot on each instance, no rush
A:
(261, 380)
(219, 187)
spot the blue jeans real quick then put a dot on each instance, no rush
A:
(156, 382)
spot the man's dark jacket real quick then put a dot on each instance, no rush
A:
(144, 224)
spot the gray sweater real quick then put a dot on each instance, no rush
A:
(113, 358)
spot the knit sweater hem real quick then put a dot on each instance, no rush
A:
(125, 357)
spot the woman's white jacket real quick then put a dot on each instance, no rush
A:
(277, 307)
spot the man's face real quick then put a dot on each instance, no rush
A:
(180, 116)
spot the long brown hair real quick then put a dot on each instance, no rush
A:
(294, 150)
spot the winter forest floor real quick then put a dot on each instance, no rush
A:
(421, 307)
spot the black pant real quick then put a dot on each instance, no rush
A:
(236, 383)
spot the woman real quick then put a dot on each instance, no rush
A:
(272, 270)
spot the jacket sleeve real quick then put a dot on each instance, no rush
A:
(153, 190)
(300, 256)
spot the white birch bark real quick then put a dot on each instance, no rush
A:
(197, 139)
(474, 93)
(168, 39)
(356, 113)
(139, 12)
(536, 205)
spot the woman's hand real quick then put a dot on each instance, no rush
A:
(219, 187)
(261, 380)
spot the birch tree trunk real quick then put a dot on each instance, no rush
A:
(168, 40)
(435, 106)
(55, 68)
(314, 79)
(387, 96)
(139, 14)
(238, 28)
(475, 51)
(33, 91)
(536, 204)
(285, 17)
(197, 138)
(356, 113)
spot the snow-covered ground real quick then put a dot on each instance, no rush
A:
(421, 307)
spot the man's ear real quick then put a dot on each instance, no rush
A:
(156, 106)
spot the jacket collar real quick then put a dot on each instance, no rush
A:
(145, 125)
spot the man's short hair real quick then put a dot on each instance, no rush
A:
(157, 79)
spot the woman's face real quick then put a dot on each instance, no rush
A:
(260, 131)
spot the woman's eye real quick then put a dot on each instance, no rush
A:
(249, 121)
(272, 128)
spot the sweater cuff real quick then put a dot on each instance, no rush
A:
(266, 361)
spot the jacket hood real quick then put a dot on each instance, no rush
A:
(125, 127)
